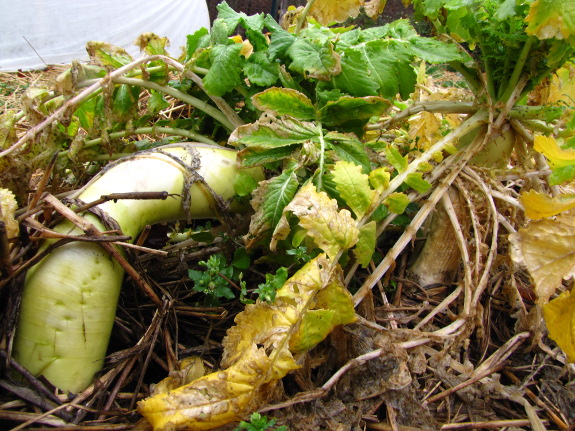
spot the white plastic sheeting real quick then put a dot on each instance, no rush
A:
(34, 33)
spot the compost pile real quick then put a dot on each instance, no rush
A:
(405, 263)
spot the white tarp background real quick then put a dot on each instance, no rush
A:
(59, 29)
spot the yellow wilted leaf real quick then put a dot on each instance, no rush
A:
(562, 87)
(374, 8)
(551, 19)
(328, 11)
(8, 208)
(424, 128)
(547, 249)
(539, 205)
(555, 155)
(220, 397)
(560, 320)
(258, 351)
(332, 230)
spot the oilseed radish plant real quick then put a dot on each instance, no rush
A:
(360, 137)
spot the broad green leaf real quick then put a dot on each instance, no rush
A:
(281, 40)
(244, 183)
(269, 201)
(538, 205)
(397, 202)
(125, 100)
(156, 102)
(328, 11)
(257, 156)
(200, 39)
(285, 101)
(506, 10)
(551, 19)
(353, 187)
(225, 71)
(365, 246)
(314, 60)
(350, 149)
(394, 157)
(260, 70)
(331, 229)
(562, 175)
(105, 54)
(416, 182)
(272, 132)
(547, 249)
(435, 51)
(375, 67)
(349, 109)
(8, 136)
(86, 112)
(559, 316)
(354, 77)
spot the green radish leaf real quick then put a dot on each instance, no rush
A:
(281, 40)
(375, 68)
(125, 101)
(225, 71)
(314, 60)
(562, 175)
(347, 147)
(271, 132)
(105, 54)
(394, 157)
(365, 246)
(269, 201)
(354, 77)
(260, 70)
(397, 202)
(416, 182)
(257, 157)
(285, 101)
(156, 102)
(353, 187)
(200, 39)
(349, 109)
(86, 112)
(435, 51)
(244, 183)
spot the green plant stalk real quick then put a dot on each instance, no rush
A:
(190, 100)
(70, 296)
(147, 130)
(518, 69)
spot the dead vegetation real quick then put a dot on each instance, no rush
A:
(463, 350)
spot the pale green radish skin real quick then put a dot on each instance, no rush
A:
(70, 297)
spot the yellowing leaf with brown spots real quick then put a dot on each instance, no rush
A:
(328, 11)
(551, 19)
(562, 86)
(547, 249)
(539, 205)
(333, 230)
(560, 320)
